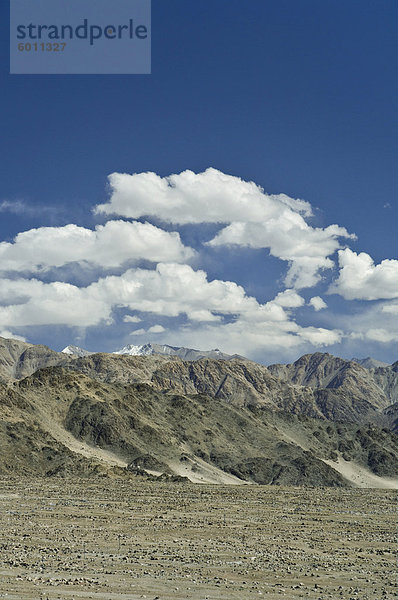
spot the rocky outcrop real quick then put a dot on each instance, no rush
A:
(19, 359)
(322, 371)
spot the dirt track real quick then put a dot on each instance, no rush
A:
(113, 540)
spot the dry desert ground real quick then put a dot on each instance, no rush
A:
(108, 539)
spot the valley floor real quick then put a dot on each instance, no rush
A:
(117, 540)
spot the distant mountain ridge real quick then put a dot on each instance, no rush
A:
(370, 363)
(162, 349)
(178, 411)
(150, 348)
(181, 352)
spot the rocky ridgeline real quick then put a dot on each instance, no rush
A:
(215, 420)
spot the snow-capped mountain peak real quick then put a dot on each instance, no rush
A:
(131, 350)
(152, 348)
(72, 350)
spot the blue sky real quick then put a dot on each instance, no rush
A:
(300, 98)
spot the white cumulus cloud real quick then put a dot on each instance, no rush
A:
(131, 319)
(188, 197)
(202, 311)
(220, 310)
(317, 303)
(153, 329)
(289, 238)
(289, 299)
(249, 337)
(253, 218)
(109, 245)
(360, 279)
(374, 322)
(156, 329)
(26, 302)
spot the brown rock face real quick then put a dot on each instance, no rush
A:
(19, 359)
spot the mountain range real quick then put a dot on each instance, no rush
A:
(167, 412)
(163, 349)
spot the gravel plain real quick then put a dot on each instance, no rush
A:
(110, 539)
